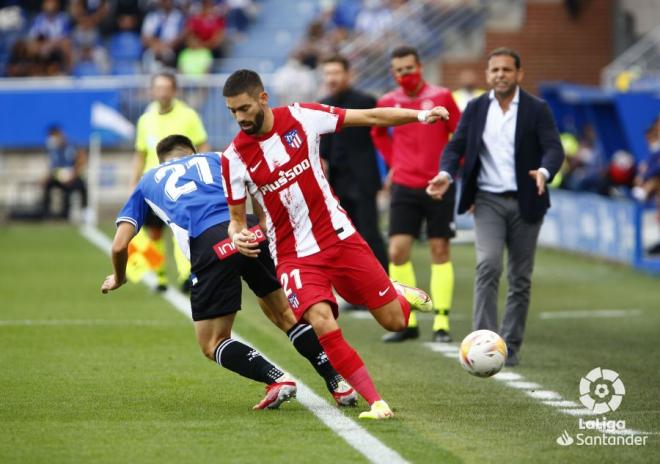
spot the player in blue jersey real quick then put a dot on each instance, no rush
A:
(186, 192)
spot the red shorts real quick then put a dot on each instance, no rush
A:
(349, 266)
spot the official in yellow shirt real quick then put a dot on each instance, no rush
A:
(166, 115)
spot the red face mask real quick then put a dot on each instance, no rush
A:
(410, 82)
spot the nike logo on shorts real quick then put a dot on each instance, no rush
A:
(383, 292)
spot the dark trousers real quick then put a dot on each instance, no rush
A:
(67, 189)
(498, 225)
(363, 212)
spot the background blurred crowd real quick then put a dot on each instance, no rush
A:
(99, 37)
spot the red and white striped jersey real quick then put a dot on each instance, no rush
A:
(282, 170)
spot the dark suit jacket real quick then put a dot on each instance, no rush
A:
(350, 153)
(536, 145)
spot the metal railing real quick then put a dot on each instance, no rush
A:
(639, 64)
(203, 94)
(429, 26)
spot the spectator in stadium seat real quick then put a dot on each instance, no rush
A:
(238, 15)
(511, 148)
(374, 19)
(294, 82)
(65, 173)
(50, 33)
(162, 35)
(125, 46)
(89, 54)
(195, 59)
(314, 45)
(648, 179)
(24, 60)
(207, 26)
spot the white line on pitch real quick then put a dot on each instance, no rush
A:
(356, 436)
(587, 314)
(532, 389)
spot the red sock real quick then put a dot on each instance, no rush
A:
(348, 363)
(361, 381)
(405, 307)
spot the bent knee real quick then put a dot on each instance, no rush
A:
(209, 347)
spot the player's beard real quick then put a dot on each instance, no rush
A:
(253, 127)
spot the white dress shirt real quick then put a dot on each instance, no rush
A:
(498, 167)
(498, 164)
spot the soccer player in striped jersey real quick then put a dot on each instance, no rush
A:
(275, 158)
(186, 192)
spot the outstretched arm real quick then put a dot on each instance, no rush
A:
(386, 117)
(123, 235)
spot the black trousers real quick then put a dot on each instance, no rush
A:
(67, 189)
(363, 212)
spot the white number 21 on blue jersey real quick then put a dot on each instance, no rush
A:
(175, 172)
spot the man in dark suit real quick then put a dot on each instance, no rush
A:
(512, 150)
(352, 166)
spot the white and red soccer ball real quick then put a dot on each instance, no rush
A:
(482, 353)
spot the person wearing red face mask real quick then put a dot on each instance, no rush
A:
(413, 153)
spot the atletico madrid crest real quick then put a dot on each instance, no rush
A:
(293, 300)
(293, 139)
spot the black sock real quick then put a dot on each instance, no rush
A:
(307, 344)
(246, 361)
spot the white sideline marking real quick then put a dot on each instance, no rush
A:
(561, 403)
(532, 389)
(357, 437)
(544, 394)
(524, 385)
(598, 313)
(507, 376)
(579, 412)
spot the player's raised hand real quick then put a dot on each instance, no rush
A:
(439, 113)
(246, 243)
(438, 186)
(111, 283)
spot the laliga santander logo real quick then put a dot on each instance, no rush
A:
(601, 390)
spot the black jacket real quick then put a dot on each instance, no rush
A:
(350, 153)
(537, 145)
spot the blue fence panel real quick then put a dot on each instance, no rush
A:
(591, 224)
(25, 115)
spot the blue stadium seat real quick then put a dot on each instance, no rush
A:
(125, 67)
(125, 46)
(86, 69)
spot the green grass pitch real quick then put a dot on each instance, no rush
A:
(119, 378)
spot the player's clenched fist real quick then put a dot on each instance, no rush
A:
(439, 113)
(246, 243)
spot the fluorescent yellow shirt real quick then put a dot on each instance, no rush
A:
(153, 126)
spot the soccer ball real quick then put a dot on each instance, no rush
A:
(482, 353)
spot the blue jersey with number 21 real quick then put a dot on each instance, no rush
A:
(186, 193)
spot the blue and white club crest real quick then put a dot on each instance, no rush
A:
(293, 300)
(293, 139)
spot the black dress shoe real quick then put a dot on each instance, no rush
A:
(441, 336)
(408, 333)
(512, 359)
